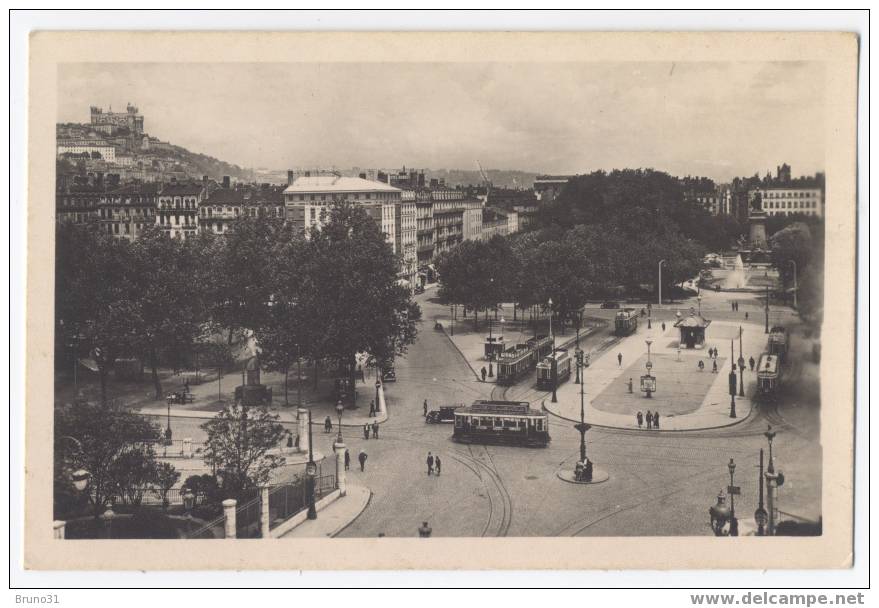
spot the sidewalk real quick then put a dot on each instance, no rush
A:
(333, 517)
(686, 398)
(206, 406)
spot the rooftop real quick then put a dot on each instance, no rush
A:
(335, 183)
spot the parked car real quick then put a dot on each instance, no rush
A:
(446, 413)
(610, 304)
(389, 375)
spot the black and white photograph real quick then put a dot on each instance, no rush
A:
(577, 299)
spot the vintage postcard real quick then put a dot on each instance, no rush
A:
(440, 300)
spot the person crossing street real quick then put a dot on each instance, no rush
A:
(362, 458)
(439, 465)
(375, 430)
(366, 431)
(425, 408)
(429, 463)
(620, 359)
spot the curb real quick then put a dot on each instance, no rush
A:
(353, 519)
(739, 420)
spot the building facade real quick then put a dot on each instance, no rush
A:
(223, 206)
(125, 212)
(790, 201)
(307, 200)
(406, 236)
(177, 209)
(548, 187)
(425, 228)
(87, 146)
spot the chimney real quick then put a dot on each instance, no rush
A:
(290, 177)
(226, 182)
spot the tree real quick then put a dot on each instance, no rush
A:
(164, 479)
(170, 307)
(94, 297)
(109, 442)
(238, 441)
(791, 244)
(349, 299)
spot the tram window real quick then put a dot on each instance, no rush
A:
(498, 422)
(510, 424)
(458, 421)
(539, 425)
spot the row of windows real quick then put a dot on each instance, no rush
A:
(187, 203)
(796, 194)
(111, 213)
(791, 204)
(379, 196)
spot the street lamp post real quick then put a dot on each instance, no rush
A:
(741, 366)
(550, 320)
(773, 481)
(378, 385)
(720, 515)
(299, 375)
(555, 377)
(582, 427)
(732, 380)
(733, 490)
(452, 317)
(699, 300)
(649, 315)
(766, 309)
(648, 388)
(310, 472)
(339, 409)
(168, 429)
(760, 515)
(661, 262)
(795, 281)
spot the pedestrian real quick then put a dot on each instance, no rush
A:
(701, 365)
(362, 458)
(375, 430)
(620, 359)
(649, 419)
(483, 373)
(663, 326)
(347, 459)
(328, 425)
(372, 408)
(751, 363)
(630, 385)
(366, 431)
(714, 367)
(746, 315)
(429, 463)
(439, 465)
(732, 306)
(656, 420)
(640, 417)
(425, 408)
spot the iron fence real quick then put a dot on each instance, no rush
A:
(213, 529)
(288, 499)
(154, 497)
(247, 516)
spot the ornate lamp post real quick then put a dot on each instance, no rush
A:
(732, 380)
(699, 300)
(733, 490)
(310, 473)
(719, 514)
(649, 315)
(773, 481)
(169, 398)
(648, 382)
(766, 310)
(550, 319)
(582, 427)
(378, 385)
(760, 515)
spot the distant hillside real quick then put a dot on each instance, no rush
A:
(501, 178)
(202, 164)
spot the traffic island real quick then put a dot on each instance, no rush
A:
(599, 475)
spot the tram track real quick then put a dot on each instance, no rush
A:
(500, 503)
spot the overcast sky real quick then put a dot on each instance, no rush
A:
(719, 120)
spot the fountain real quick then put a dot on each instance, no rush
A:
(737, 278)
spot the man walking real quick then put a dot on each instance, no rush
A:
(656, 420)
(620, 359)
(714, 367)
(483, 373)
(663, 326)
(640, 418)
(439, 465)
(649, 420)
(372, 408)
(347, 459)
(429, 463)
(425, 408)
(366, 431)
(751, 363)
(362, 458)
(375, 430)
(701, 365)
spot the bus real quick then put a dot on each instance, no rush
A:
(625, 322)
(501, 422)
(563, 369)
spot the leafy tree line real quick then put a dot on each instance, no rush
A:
(602, 238)
(326, 297)
(799, 247)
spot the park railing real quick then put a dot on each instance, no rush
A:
(288, 499)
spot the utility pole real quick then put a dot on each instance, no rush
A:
(766, 329)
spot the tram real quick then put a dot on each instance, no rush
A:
(768, 376)
(516, 361)
(625, 322)
(504, 422)
(562, 361)
(778, 341)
